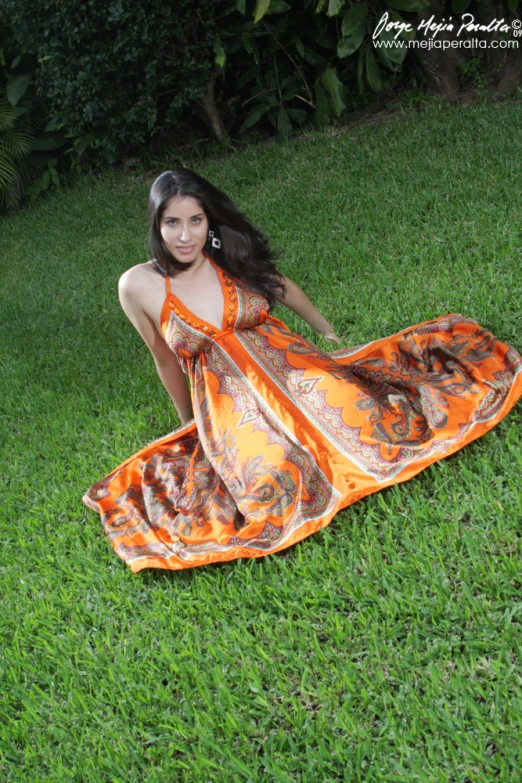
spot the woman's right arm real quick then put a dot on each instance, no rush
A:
(169, 370)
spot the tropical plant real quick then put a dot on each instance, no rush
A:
(307, 62)
(25, 166)
(304, 64)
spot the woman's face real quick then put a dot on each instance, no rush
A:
(184, 225)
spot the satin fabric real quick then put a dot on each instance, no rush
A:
(285, 435)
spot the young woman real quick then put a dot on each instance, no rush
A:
(276, 435)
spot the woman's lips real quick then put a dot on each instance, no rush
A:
(186, 250)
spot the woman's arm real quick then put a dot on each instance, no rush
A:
(169, 370)
(296, 299)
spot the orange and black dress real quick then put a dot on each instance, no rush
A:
(285, 435)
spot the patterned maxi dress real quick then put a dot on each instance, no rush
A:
(284, 435)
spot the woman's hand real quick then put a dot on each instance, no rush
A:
(332, 336)
(296, 299)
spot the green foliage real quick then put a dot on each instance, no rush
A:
(50, 175)
(473, 71)
(23, 169)
(281, 56)
(13, 144)
(117, 76)
(307, 62)
(115, 72)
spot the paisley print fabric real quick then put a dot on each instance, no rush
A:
(285, 435)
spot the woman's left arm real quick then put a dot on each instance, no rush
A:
(296, 299)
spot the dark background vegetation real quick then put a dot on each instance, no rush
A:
(86, 85)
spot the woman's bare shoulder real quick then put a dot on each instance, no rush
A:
(139, 271)
(139, 275)
(138, 287)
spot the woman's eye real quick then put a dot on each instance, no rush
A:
(173, 222)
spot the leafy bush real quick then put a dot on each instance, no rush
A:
(114, 72)
(306, 62)
(26, 168)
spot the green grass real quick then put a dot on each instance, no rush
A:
(387, 646)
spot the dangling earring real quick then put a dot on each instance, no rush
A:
(215, 241)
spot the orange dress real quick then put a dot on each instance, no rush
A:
(284, 435)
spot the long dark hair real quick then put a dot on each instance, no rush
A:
(244, 253)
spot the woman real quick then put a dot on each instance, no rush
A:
(277, 436)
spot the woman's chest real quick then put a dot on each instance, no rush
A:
(202, 298)
(187, 335)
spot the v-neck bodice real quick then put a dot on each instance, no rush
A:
(174, 303)
(189, 336)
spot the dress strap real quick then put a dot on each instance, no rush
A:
(167, 285)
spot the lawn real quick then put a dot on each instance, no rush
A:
(387, 646)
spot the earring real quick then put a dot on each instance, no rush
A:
(215, 241)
